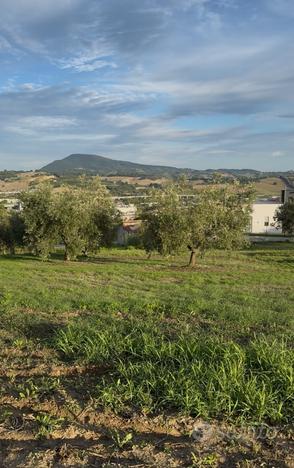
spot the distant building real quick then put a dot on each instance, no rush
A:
(11, 204)
(264, 211)
(128, 212)
(263, 217)
(288, 192)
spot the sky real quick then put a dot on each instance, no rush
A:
(189, 83)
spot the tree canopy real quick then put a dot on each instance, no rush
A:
(11, 230)
(215, 217)
(285, 217)
(80, 218)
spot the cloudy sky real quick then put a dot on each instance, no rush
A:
(190, 83)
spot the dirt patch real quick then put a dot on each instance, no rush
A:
(49, 418)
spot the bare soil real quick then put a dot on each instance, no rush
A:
(86, 435)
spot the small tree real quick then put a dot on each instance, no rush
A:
(12, 230)
(215, 217)
(218, 218)
(285, 217)
(71, 218)
(84, 218)
(15, 232)
(164, 227)
(4, 220)
(106, 220)
(39, 224)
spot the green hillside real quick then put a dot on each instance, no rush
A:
(92, 164)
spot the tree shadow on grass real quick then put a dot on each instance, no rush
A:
(113, 260)
(84, 260)
(276, 257)
(20, 257)
(43, 330)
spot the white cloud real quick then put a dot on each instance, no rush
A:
(31, 126)
(165, 73)
(278, 154)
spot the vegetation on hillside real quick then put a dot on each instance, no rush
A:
(77, 164)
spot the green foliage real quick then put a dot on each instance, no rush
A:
(153, 371)
(214, 218)
(204, 461)
(165, 227)
(217, 341)
(47, 424)
(4, 222)
(81, 218)
(38, 389)
(219, 217)
(285, 217)
(121, 440)
(10, 175)
(71, 213)
(41, 232)
(12, 230)
(27, 390)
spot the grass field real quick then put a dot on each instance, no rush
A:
(123, 361)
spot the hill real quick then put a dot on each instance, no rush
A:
(94, 164)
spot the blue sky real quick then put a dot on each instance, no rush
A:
(190, 83)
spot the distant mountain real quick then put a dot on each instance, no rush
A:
(92, 164)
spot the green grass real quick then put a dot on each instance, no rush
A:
(216, 341)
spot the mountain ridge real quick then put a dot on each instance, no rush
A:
(92, 164)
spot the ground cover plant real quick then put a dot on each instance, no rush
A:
(123, 361)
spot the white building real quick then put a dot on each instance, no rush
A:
(11, 204)
(128, 212)
(263, 217)
(264, 211)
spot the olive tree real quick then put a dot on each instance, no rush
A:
(12, 230)
(40, 228)
(215, 217)
(80, 218)
(285, 217)
(218, 218)
(84, 219)
(164, 221)
(3, 227)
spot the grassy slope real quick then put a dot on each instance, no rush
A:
(254, 288)
(85, 314)
(270, 186)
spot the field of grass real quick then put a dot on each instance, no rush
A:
(269, 187)
(124, 361)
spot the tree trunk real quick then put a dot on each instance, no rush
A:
(192, 260)
(66, 255)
